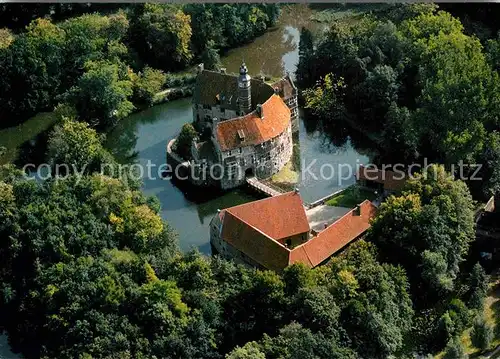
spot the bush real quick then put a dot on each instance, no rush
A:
(147, 84)
(184, 141)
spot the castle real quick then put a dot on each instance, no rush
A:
(245, 126)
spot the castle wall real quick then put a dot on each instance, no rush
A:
(263, 160)
(203, 114)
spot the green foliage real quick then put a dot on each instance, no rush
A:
(294, 341)
(229, 25)
(31, 70)
(70, 237)
(87, 257)
(210, 57)
(49, 61)
(478, 287)
(184, 141)
(415, 82)
(351, 197)
(427, 230)
(249, 351)
(147, 84)
(76, 145)
(481, 334)
(454, 349)
(101, 94)
(161, 35)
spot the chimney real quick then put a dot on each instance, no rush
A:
(296, 190)
(222, 70)
(201, 67)
(357, 210)
(260, 111)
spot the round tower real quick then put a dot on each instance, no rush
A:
(244, 90)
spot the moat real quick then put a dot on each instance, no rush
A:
(142, 137)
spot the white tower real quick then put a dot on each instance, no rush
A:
(244, 90)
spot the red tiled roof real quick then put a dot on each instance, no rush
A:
(278, 217)
(276, 119)
(337, 235)
(262, 249)
(244, 227)
(390, 179)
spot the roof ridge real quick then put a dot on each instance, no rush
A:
(261, 200)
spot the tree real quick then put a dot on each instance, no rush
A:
(161, 35)
(68, 271)
(92, 37)
(210, 57)
(427, 230)
(31, 67)
(249, 351)
(101, 96)
(306, 54)
(294, 341)
(147, 84)
(481, 334)
(6, 38)
(76, 145)
(379, 314)
(478, 287)
(184, 141)
(454, 349)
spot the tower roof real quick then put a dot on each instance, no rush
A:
(243, 69)
(244, 76)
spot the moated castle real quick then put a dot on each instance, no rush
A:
(246, 126)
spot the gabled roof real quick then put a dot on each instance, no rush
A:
(277, 217)
(276, 119)
(214, 88)
(262, 249)
(250, 229)
(217, 88)
(391, 180)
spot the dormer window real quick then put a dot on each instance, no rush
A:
(241, 135)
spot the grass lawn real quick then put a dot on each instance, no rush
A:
(351, 196)
(286, 179)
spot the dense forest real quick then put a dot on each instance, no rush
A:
(90, 270)
(416, 82)
(104, 60)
